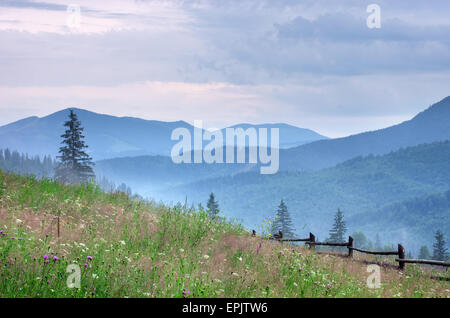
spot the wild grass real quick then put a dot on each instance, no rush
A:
(129, 248)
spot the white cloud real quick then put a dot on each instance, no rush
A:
(374, 102)
(310, 63)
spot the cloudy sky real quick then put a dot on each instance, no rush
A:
(310, 63)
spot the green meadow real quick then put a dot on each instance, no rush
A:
(130, 248)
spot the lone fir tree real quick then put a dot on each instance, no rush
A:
(75, 164)
(283, 222)
(213, 206)
(439, 249)
(337, 233)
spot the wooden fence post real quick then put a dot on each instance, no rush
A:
(312, 239)
(350, 246)
(278, 236)
(401, 255)
(58, 226)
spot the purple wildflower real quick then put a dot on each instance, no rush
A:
(45, 256)
(202, 262)
(185, 293)
(90, 258)
(55, 258)
(258, 248)
(86, 265)
(12, 237)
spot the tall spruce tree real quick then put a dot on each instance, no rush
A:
(213, 206)
(439, 248)
(283, 222)
(75, 164)
(337, 233)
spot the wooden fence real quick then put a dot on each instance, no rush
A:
(400, 252)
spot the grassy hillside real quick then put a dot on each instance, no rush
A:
(362, 185)
(130, 248)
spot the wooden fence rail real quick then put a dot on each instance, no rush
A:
(374, 252)
(425, 261)
(311, 241)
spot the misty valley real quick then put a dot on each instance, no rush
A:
(379, 179)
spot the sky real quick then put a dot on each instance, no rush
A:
(314, 63)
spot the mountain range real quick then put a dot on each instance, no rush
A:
(147, 173)
(393, 181)
(431, 125)
(112, 137)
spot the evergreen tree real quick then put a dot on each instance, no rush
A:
(424, 253)
(124, 188)
(337, 233)
(7, 154)
(75, 164)
(24, 164)
(213, 206)
(200, 207)
(439, 248)
(283, 222)
(361, 241)
(378, 244)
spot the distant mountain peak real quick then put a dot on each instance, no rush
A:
(440, 108)
(433, 124)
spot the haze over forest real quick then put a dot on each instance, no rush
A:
(362, 108)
